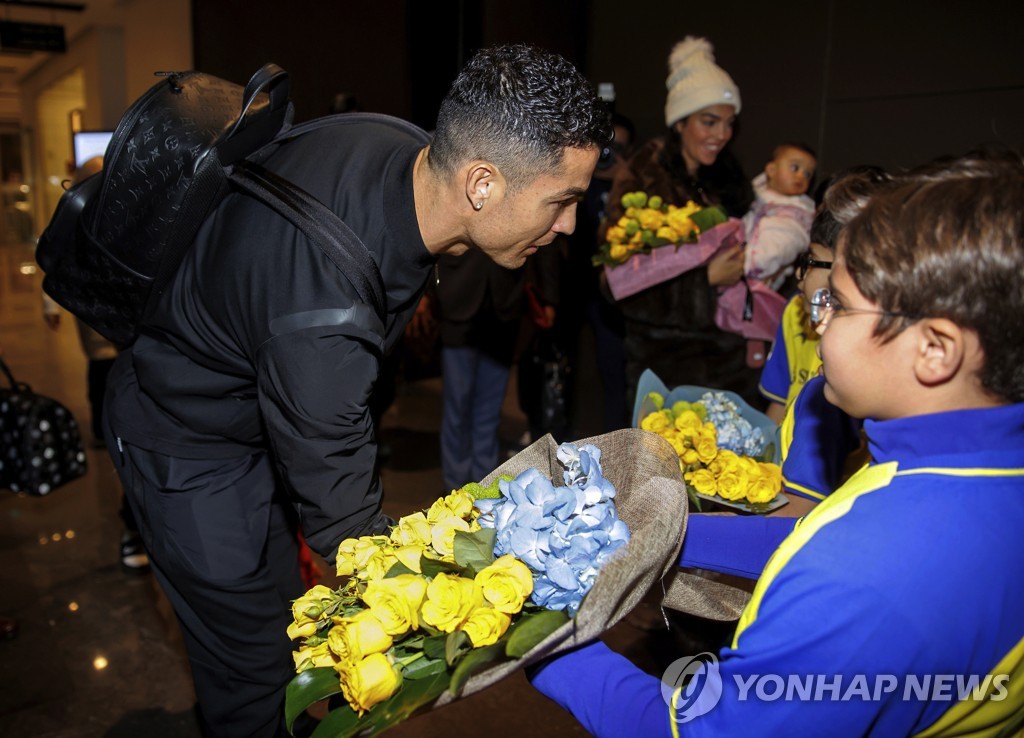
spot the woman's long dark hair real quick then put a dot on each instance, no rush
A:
(723, 183)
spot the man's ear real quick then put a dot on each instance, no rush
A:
(484, 183)
(943, 350)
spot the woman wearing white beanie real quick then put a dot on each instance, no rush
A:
(670, 327)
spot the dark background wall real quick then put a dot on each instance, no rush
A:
(892, 83)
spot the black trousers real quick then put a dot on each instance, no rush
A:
(224, 549)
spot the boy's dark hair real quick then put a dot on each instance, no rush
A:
(949, 243)
(519, 107)
(845, 194)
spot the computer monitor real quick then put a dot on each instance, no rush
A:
(89, 144)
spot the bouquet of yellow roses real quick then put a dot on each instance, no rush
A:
(725, 448)
(634, 256)
(486, 573)
(650, 223)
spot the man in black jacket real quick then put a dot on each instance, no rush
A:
(244, 404)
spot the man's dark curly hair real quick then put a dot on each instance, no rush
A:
(519, 107)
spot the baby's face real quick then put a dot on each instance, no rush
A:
(790, 172)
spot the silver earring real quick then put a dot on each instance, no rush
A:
(478, 204)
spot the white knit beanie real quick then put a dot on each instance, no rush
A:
(695, 81)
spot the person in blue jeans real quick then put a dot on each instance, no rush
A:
(479, 307)
(893, 608)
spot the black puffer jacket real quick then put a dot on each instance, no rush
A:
(260, 346)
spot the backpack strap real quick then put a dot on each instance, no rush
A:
(321, 225)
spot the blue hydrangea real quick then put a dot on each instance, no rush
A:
(735, 432)
(563, 534)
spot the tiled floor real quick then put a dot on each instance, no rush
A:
(98, 652)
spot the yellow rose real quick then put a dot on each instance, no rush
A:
(762, 489)
(505, 584)
(460, 503)
(442, 533)
(412, 530)
(438, 510)
(616, 235)
(725, 460)
(485, 625)
(669, 234)
(369, 681)
(313, 657)
(650, 220)
(626, 219)
(358, 636)
(678, 443)
(353, 553)
(449, 600)
(308, 610)
(656, 422)
(766, 485)
(378, 565)
(732, 483)
(619, 252)
(772, 471)
(688, 423)
(396, 602)
(690, 457)
(707, 449)
(679, 221)
(703, 481)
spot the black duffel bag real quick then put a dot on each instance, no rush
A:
(40, 444)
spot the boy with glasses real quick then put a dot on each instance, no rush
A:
(897, 599)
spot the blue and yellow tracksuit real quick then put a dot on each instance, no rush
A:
(913, 569)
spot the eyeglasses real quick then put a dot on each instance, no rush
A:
(824, 305)
(805, 261)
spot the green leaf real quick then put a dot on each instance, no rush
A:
(398, 568)
(532, 629)
(433, 647)
(471, 663)
(423, 667)
(432, 567)
(709, 218)
(307, 688)
(456, 644)
(413, 644)
(475, 550)
(343, 722)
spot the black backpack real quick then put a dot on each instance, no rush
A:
(116, 239)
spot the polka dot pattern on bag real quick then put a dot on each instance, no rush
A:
(40, 441)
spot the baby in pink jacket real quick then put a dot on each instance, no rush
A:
(778, 224)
